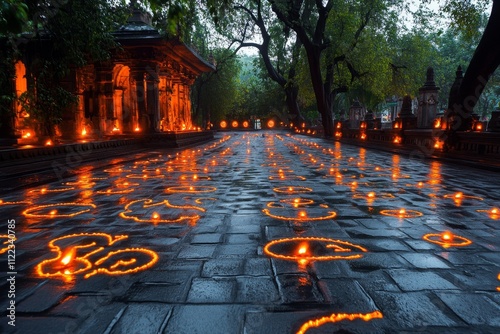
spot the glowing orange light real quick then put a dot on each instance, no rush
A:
(84, 131)
(493, 213)
(137, 129)
(191, 189)
(437, 124)
(397, 140)
(479, 126)
(68, 257)
(336, 317)
(234, 124)
(270, 124)
(48, 143)
(27, 135)
(447, 239)
(293, 190)
(132, 207)
(302, 249)
(245, 124)
(115, 129)
(155, 215)
(438, 144)
(401, 213)
(363, 136)
(7, 242)
(459, 196)
(371, 194)
(302, 214)
(38, 211)
(339, 125)
(76, 259)
(338, 134)
(223, 124)
(420, 184)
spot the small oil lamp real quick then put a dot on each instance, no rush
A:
(447, 236)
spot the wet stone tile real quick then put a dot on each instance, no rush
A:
(206, 238)
(142, 318)
(424, 261)
(207, 290)
(413, 311)
(196, 251)
(199, 319)
(256, 290)
(222, 267)
(474, 309)
(415, 280)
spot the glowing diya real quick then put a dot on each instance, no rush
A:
(447, 239)
(306, 249)
(138, 211)
(459, 196)
(336, 317)
(493, 213)
(74, 254)
(292, 190)
(115, 191)
(43, 191)
(58, 210)
(298, 209)
(401, 213)
(191, 189)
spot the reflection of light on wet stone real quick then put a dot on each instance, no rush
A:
(447, 239)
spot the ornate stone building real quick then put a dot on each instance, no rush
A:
(143, 88)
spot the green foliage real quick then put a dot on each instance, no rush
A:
(47, 104)
(215, 93)
(13, 16)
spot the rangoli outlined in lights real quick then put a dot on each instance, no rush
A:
(459, 196)
(298, 209)
(58, 210)
(8, 241)
(44, 191)
(292, 190)
(74, 255)
(307, 249)
(493, 213)
(402, 213)
(447, 239)
(143, 206)
(336, 317)
(191, 189)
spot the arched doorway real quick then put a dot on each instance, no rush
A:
(125, 111)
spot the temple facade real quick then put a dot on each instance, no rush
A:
(144, 88)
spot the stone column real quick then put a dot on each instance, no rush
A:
(104, 78)
(137, 75)
(427, 102)
(152, 101)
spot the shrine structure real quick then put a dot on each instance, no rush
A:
(143, 88)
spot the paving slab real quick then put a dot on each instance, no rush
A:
(255, 232)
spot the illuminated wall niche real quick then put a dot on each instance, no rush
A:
(336, 317)
(92, 253)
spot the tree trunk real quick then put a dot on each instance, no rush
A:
(484, 62)
(292, 92)
(322, 101)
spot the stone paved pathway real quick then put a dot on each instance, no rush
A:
(257, 232)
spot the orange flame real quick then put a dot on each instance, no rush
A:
(336, 317)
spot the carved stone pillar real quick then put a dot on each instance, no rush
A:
(140, 99)
(104, 79)
(427, 102)
(152, 101)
